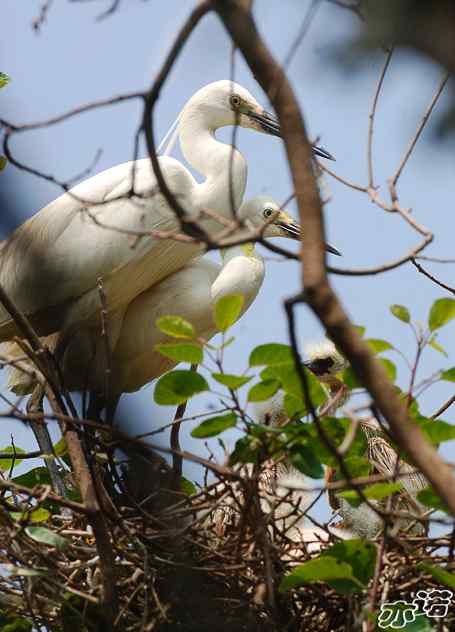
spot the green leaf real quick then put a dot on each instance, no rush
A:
(441, 575)
(231, 381)
(293, 406)
(290, 381)
(245, 451)
(350, 378)
(336, 428)
(381, 490)
(378, 346)
(3, 162)
(360, 330)
(46, 536)
(304, 459)
(357, 465)
(437, 347)
(442, 311)
(6, 464)
(176, 327)
(430, 499)
(187, 487)
(352, 497)
(38, 515)
(390, 368)
(449, 375)
(4, 79)
(181, 352)
(263, 390)
(60, 448)
(37, 476)
(359, 554)
(177, 387)
(322, 569)
(437, 430)
(227, 311)
(214, 426)
(272, 354)
(401, 312)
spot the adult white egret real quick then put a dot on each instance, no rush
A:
(190, 293)
(326, 362)
(50, 265)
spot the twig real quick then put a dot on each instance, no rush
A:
(175, 445)
(443, 408)
(431, 277)
(371, 118)
(420, 128)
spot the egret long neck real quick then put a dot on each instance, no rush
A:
(214, 160)
(242, 273)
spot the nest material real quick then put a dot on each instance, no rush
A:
(174, 571)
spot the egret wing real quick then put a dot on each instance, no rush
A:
(59, 254)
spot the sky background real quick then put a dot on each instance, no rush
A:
(76, 59)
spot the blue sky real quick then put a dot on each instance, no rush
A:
(75, 59)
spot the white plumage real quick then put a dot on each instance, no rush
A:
(190, 293)
(51, 264)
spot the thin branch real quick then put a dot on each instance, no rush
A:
(431, 277)
(420, 128)
(371, 118)
(443, 408)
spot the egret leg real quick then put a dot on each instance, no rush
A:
(35, 405)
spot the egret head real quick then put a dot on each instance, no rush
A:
(227, 103)
(263, 211)
(324, 360)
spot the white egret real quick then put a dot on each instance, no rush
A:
(50, 265)
(326, 363)
(190, 293)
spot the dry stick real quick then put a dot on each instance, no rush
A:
(443, 408)
(431, 277)
(107, 352)
(187, 226)
(80, 467)
(37, 492)
(371, 117)
(423, 122)
(318, 292)
(175, 444)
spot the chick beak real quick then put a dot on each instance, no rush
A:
(269, 124)
(294, 231)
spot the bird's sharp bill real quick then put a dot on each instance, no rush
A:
(294, 231)
(333, 250)
(323, 153)
(288, 225)
(269, 124)
(266, 121)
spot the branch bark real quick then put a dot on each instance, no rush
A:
(318, 294)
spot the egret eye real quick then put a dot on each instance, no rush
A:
(268, 212)
(235, 100)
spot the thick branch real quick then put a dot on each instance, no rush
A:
(318, 292)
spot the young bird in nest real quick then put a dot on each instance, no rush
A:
(326, 363)
(284, 497)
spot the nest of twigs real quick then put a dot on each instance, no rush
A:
(174, 569)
